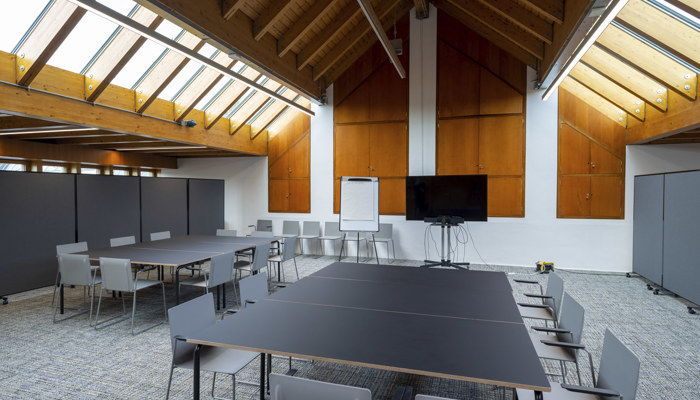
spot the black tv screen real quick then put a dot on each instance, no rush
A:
(446, 196)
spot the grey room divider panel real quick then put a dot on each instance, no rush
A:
(206, 206)
(107, 206)
(37, 213)
(648, 227)
(682, 235)
(163, 206)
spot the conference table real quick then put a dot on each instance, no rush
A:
(446, 323)
(178, 252)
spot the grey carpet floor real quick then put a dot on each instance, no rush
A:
(70, 360)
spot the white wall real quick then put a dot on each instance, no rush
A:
(570, 243)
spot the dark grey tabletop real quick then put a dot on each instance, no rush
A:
(383, 328)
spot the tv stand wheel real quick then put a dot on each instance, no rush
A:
(656, 291)
(628, 275)
(4, 300)
(691, 310)
(649, 287)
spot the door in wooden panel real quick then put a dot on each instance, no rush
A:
(299, 195)
(280, 167)
(607, 193)
(458, 83)
(388, 149)
(355, 107)
(388, 95)
(497, 97)
(573, 194)
(505, 196)
(276, 146)
(574, 151)
(279, 195)
(604, 162)
(336, 195)
(392, 196)
(351, 150)
(501, 145)
(458, 146)
(299, 158)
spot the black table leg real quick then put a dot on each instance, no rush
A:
(263, 372)
(61, 297)
(195, 386)
(538, 395)
(177, 285)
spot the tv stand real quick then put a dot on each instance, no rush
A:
(445, 222)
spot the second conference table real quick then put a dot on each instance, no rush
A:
(179, 252)
(451, 324)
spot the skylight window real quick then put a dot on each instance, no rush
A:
(139, 63)
(180, 81)
(16, 24)
(12, 167)
(83, 43)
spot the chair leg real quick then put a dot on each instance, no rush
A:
(295, 267)
(165, 307)
(99, 303)
(133, 312)
(170, 381)
(55, 286)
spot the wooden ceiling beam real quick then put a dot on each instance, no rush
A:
(229, 7)
(138, 145)
(235, 36)
(486, 32)
(609, 90)
(163, 72)
(117, 54)
(594, 100)
(198, 87)
(227, 98)
(45, 39)
(628, 77)
(521, 17)
(17, 122)
(81, 154)
(692, 7)
(352, 37)
(648, 59)
(347, 14)
(91, 135)
(100, 140)
(272, 13)
(553, 10)
(501, 26)
(302, 26)
(422, 8)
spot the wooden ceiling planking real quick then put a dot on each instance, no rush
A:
(610, 90)
(302, 25)
(272, 13)
(553, 10)
(594, 100)
(518, 15)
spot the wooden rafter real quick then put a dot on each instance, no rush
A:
(594, 100)
(165, 70)
(654, 63)
(141, 145)
(117, 54)
(623, 74)
(228, 97)
(102, 140)
(345, 16)
(265, 121)
(422, 8)
(269, 17)
(486, 32)
(521, 17)
(241, 117)
(611, 91)
(15, 122)
(199, 86)
(308, 19)
(550, 9)
(45, 39)
(229, 7)
(61, 135)
(663, 29)
(692, 7)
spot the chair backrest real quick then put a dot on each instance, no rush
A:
(285, 387)
(122, 241)
(290, 227)
(70, 248)
(188, 318)
(331, 229)
(571, 318)
(425, 397)
(226, 232)
(619, 367)
(253, 288)
(160, 235)
(116, 274)
(264, 225)
(290, 246)
(312, 228)
(262, 254)
(386, 231)
(555, 288)
(75, 269)
(261, 234)
(220, 269)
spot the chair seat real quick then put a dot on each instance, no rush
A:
(331, 237)
(242, 264)
(308, 237)
(557, 393)
(550, 352)
(199, 282)
(276, 258)
(535, 312)
(384, 240)
(142, 284)
(288, 235)
(218, 359)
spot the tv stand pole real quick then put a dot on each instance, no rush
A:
(445, 222)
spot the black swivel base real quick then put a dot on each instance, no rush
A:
(4, 300)
(445, 222)
(445, 263)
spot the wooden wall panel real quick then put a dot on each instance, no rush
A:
(574, 151)
(572, 198)
(300, 158)
(501, 192)
(289, 167)
(354, 108)
(606, 197)
(458, 83)
(388, 150)
(278, 192)
(604, 162)
(501, 147)
(497, 97)
(388, 99)
(392, 196)
(299, 195)
(458, 146)
(351, 150)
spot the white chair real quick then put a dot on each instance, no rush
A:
(122, 241)
(220, 272)
(331, 231)
(290, 228)
(286, 387)
(353, 236)
(548, 309)
(160, 235)
(117, 276)
(253, 288)
(386, 236)
(310, 231)
(288, 253)
(226, 232)
(68, 248)
(264, 225)
(193, 316)
(262, 252)
(75, 270)
(262, 234)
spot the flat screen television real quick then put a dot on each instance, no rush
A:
(446, 196)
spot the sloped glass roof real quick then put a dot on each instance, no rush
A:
(13, 29)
